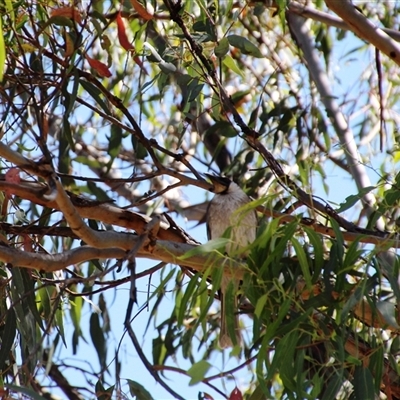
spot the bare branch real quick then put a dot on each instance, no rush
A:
(346, 137)
(330, 20)
(105, 212)
(365, 29)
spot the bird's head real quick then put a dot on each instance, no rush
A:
(221, 184)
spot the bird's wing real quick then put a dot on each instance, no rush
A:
(208, 222)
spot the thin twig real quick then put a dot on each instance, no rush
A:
(147, 364)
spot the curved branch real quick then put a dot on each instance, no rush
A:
(365, 29)
(346, 137)
(168, 252)
(330, 20)
(100, 211)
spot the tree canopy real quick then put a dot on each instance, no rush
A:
(111, 113)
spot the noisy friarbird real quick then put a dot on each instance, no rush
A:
(222, 213)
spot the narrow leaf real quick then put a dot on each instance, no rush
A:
(2, 52)
(215, 244)
(138, 391)
(143, 13)
(7, 338)
(122, 37)
(244, 45)
(229, 62)
(301, 255)
(363, 383)
(98, 338)
(95, 93)
(29, 392)
(353, 199)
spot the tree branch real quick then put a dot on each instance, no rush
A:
(365, 29)
(330, 20)
(302, 36)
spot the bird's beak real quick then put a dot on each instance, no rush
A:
(220, 184)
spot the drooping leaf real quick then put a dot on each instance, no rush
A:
(2, 52)
(122, 37)
(137, 390)
(223, 47)
(7, 337)
(114, 141)
(24, 390)
(95, 93)
(363, 383)
(143, 13)
(98, 339)
(353, 199)
(198, 371)
(230, 63)
(244, 45)
(211, 245)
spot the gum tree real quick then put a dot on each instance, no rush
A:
(111, 112)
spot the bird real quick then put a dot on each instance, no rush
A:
(222, 213)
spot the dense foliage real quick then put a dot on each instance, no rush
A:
(111, 112)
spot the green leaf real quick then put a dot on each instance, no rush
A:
(137, 390)
(30, 299)
(2, 53)
(354, 198)
(301, 255)
(198, 371)
(388, 312)
(333, 386)
(191, 287)
(140, 150)
(318, 248)
(258, 394)
(208, 247)
(71, 96)
(10, 12)
(20, 389)
(363, 383)
(102, 393)
(7, 338)
(260, 305)
(230, 63)
(114, 141)
(98, 339)
(66, 143)
(245, 46)
(43, 299)
(75, 309)
(376, 366)
(95, 93)
(230, 309)
(59, 317)
(282, 314)
(223, 128)
(285, 352)
(222, 48)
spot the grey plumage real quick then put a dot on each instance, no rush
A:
(221, 215)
